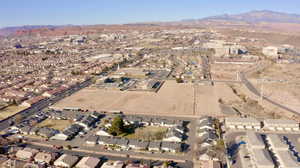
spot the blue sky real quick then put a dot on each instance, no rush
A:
(61, 12)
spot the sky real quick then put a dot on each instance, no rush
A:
(87, 12)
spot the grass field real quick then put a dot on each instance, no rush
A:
(55, 124)
(10, 110)
(148, 133)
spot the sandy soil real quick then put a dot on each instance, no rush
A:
(55, 124)
(226, 71)
(173, 99)
(282, 84)
(10, 110)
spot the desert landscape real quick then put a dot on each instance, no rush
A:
(172, 99)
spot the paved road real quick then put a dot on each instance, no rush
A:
(188, 164)
(42, 104)
(251, 88)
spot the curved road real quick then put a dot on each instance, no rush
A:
(251, 87)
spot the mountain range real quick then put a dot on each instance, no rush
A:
(263, 19)
(258, 16)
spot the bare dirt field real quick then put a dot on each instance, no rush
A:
(10, 110)
(173, 99)
(55, 124)
(282, 83)
(226, 71)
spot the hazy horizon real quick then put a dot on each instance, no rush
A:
(34, 12)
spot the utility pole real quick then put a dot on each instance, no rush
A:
(261, 93)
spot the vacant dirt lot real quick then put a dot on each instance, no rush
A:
(172, 99)
(226, 71)
(10, 110)
(282, 83)
(55, 124)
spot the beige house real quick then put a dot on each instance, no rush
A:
(66, 161)
(26, 153)
(88, 162)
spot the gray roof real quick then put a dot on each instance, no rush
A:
(47, 132)
(154, 144)
(139, 143)
(281, 122)
(172, 145)
(255, 140)
(286, 159)
(92, 138)
(172, 132)
(242, 121)
(122, 142)
(262, 158)
(276, 142)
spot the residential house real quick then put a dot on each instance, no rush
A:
(66, 161)
(25, 130)
(88, 162)
(137, 165)
(47, 132)
(92, 140)
(138, 144)
(113, 164)
(281, 125)
(122, 143)
(173, 136)
(44, 157)
(154, 146)
(103, 131)
(171, 147)
(87, 122)
(26, 153)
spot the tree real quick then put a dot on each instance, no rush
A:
(179, 80)
(69, 147)
(117, 126)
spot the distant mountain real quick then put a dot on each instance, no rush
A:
(6, 31)
(257, 17)
(264, 20)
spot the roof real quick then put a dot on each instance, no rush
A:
(171, 145)
(255, 140)
(154, 144)
(286, 160)
(276, 142)
(66, 159)
(139, 143)
(262, 158)
(88, 162)
(122, 142)
(92, 138)
(242, 121)
(113, 164)
(280, 122)
(174, 133)
(44, 157)
(26, 153)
